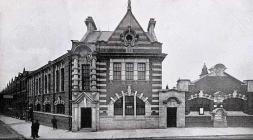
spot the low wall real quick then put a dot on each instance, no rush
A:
(63, 121)
(240, 121)
(198, 121)
(128, 122)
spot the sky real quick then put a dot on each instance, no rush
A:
(193, 32)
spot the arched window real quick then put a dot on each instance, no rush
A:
(140, 107)
(38, 108)
(131, 105)
(47, 108)
(118, 107)
(60, 109)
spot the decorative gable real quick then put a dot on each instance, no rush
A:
(129, 32)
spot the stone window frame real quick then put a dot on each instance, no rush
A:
(123, 68)
(117, 71)
(117, 96)
(141, 68)
(124, 112)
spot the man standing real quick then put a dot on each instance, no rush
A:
(33, 130)
(54, 123)
(37, 127)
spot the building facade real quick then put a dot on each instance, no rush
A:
(113, 80)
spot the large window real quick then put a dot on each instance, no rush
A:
(86, 77)
(45, 83)
(60, 109)
(118, 107)
(49, 82)
(62, 79)
(129, 71)
(141, 71)
(129, 106)
(117, 71)
(38, 107)
(57, 80)
(47, 108)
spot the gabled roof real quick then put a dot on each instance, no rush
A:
(129, 20)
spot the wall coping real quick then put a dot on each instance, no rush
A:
(62, 115)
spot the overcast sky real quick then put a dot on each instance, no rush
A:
(32, 32)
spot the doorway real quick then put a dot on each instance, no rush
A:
(86, 118)
(171, 117)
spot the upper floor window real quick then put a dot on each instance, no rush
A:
(117, 71)
(129, 71)
(49, 82)
(47, 108)
(45, 83)
(141, 71)
(57, 80)
(62, 79)
(86, 77)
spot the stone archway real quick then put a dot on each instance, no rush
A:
(171, 109)
(129, 92)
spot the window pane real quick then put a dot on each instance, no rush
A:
(140, 107)
(60, 109)
(62, 79)
(118, 107)
(129, 105)
(129, 71)
(141, 71)
(57, 80)
(117, 71)
(86, 77)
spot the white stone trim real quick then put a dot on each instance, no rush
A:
(157, 64)
(102, 95)
(102, 101)
(155, 101)
(155, 90)
(101, 74)
(101, 85)
(100, 79)
(101, 68)
(156, 85)
(155, 95)
(156, 74)
(103, 106)
(102, 90)
(101, 63)
(157, 69)
(158, 80)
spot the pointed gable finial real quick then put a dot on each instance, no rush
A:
(129, 5)
(204, 70)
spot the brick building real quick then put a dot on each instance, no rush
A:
(108, 80)
(113, 80)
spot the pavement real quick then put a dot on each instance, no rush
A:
(8, 133)
(24, 128)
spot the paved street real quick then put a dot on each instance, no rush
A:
(46, 132)
(7, 133)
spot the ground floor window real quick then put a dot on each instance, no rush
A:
(131, 104)
(38, 107)
(47, 108)
(60, 109)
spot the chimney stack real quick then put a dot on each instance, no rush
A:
(91, 26)
(151, 28)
